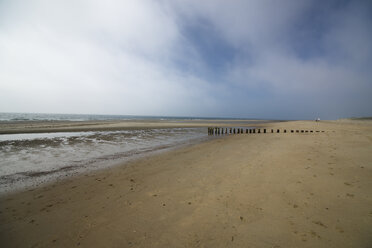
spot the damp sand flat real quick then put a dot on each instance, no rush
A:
(259, 190)
(16, 127)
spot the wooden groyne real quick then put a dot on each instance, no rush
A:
(239, 130)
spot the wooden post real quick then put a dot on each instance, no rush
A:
(285, 130)
(302, 131)
(230, 130)
(291, 131)
(311, 131)
(258, 130)
(246, 130)
(306, 131)
(238, 130)
(278, 131)
(264, 130)
(272, 130)
(241, 130)
(250, 130)
(234, 130)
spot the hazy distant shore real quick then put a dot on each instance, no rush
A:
(247, 190)
(11, 127)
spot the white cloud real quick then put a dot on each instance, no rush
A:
(121, 57)
(93, 56)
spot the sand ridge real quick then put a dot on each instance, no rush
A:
(261, 190)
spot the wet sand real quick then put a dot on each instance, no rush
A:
(247, 190)
(80, 126)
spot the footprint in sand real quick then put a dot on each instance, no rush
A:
(339, 229)
(314, 234)
(319, 223)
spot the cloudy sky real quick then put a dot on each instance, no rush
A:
(284, 59)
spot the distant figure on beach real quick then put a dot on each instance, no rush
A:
(317, 119)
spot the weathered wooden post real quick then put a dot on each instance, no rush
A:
(306, 131)
(297, 131)
(241, 130)
(311, 131)
(238, 130)
(272, 130)
(230, 130)
(246, 130)
(278, 131)
(250, 130)
(234, 130)
(302, 131)
(285, 130)
(264, 130)
(258, 130)
(254, 130)
(291, 131)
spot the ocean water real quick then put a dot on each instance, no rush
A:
(31, 159)
(14, 117)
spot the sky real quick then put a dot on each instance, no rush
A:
(284, 59)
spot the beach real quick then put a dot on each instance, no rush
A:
(244, 190)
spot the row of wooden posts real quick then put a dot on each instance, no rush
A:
(219, 131)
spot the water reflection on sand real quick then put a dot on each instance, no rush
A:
(30, 159)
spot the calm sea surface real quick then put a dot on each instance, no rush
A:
(80, 117)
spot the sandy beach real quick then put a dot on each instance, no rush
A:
(246, 190)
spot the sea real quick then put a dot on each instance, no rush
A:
(13, 117)
(28, 160)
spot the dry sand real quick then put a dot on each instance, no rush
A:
(258, 190)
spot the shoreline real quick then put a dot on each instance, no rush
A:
(70, 172)
(81, 126)
(261, 190)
